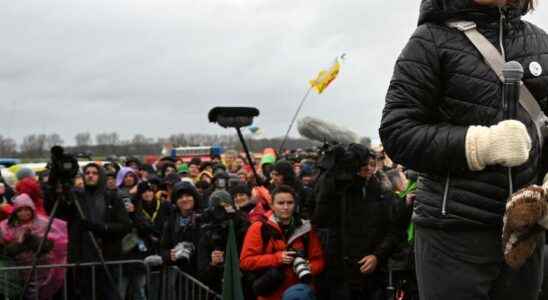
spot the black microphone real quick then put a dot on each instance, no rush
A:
(512, 73)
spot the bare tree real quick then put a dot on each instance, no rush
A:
(140, 139)
(34, 145)
(8, 147)
(83, 139)
(110, 139)
(53, 140)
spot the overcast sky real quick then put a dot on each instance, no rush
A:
(156, 67)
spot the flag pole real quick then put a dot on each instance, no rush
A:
(293, 120)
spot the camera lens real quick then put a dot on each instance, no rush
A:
(301, 268)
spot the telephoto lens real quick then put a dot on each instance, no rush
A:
(302, 269)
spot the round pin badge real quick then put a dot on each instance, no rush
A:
(535, 68)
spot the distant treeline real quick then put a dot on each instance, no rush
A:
(36, 146)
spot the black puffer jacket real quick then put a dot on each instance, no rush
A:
(440, 87)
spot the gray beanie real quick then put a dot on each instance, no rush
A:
(24, 173)
(219, 197)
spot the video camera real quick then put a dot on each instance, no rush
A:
(215, 225)
(343, 161)
(63, 167)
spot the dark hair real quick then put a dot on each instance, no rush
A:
(283, 189)
(202, 184)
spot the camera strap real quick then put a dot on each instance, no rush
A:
(268, 233)
(494, 59)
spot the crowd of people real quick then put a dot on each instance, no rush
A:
(300, 230)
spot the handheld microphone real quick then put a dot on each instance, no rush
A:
(512, 73)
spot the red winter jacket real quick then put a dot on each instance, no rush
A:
(253, 258)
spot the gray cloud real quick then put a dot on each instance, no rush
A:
(157, 67)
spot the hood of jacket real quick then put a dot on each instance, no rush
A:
(440, 11)
(31, 187)
(102, 183)
(23, 200)
(182, 187)
(121, 175)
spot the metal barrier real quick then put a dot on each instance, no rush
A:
(169, 283)
(176, 284)
(9, 274)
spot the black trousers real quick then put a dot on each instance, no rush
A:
(442, 276)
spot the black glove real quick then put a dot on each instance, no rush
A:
(92, 226)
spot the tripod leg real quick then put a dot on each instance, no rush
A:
(40, 246)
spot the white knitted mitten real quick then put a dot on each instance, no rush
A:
(507, 144)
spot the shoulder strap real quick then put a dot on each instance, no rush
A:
(495, 60)
(267, 234)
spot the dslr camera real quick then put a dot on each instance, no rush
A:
(184, 250)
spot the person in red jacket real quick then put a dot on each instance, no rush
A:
(287, 239)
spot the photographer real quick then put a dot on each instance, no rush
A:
(284, 174)
(105, 217)
(182, 231)
(212, 245)
(353, 212)
(282, 251)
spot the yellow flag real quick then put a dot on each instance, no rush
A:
(325, 77)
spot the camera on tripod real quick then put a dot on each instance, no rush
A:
(63, 167)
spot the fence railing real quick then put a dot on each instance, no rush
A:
(177, 284)
(166, 283)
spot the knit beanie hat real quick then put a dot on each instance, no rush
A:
(268, 159)
(144, 186)
(240, 189)
(219, 197)
(183, 168)
(24, 173)
(299, 291)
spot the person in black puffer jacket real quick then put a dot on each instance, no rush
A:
(443, 117)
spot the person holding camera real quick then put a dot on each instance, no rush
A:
(283, 174)
(105, 217)
(282, 251)
(181, 230)
(148, 216)
(211, 249)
